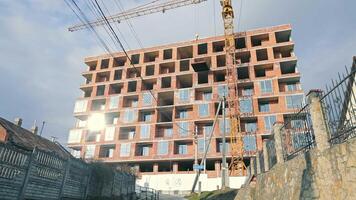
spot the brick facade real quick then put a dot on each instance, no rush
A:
(268, 86)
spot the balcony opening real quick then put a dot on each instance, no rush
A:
(167, 54)
(249, 125)
(260, 72)
(146, 167)
(219, 146)
(204, 128)
(132, 85)
(243, 57)
(87, 92)
(118, 75)
(150, 70)
(289, 85)
(165, 115)
(219, 76)
(166, 82)
(145, 115)
(243, 73)
(88, 78)
(106, 151)
(92, 65)
(202, 49)
(115, 88)
(166, 68)
(240, 43)
(245, 89)
(263, 70)
(203, 94)
(288, 67)
(148, 84)
(127, 133)
(221, 61)
(264, 105)
(258, 40)
(100, 90)
(184, 112)
(166, 98)
(201, 64)
(283, 36)
(184, 65)
(218, 46)
(135, 59)
(185, 81)
(104, 64)
(92, 136)
(150, 56)
(185, 52)
(185, 166)
(203, 77)
(133, 72)
(283, 52)
(210, 165)
(182, 148)
(130, 101)
(164, 166)
(102, 77)
(98, 104)
(261, 54)
(112, 118)
(164, 130)
(143, 149)
(119, 61)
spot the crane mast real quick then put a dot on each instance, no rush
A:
(237, 166)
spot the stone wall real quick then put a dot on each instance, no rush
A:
(330, 174)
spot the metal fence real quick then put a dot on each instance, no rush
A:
(145, 193)
(339, 107)
(297, 133)
(41, 175)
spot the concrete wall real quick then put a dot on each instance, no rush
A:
(330, 174)
(182, 183)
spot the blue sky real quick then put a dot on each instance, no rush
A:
(41, 61)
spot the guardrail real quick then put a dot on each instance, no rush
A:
(145, 193)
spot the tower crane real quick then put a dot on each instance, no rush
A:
(237, 166)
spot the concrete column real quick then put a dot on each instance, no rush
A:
(265, 156)
(278, 141)
(258, 163)
(175, 167)
(217, 168)
(155, 167)
(252, 166)
(318, 120)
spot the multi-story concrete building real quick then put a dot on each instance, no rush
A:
(152, 110)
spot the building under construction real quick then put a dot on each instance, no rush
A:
(157, 111)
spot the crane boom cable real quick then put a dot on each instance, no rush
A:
(128, 22)
(123, 49)
(137, 12)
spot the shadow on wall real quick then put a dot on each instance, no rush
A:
(306, 186)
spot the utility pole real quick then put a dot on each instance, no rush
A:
(196, 148)
(224, 165)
